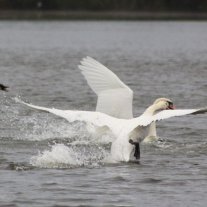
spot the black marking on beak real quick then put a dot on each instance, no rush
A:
(171, 105)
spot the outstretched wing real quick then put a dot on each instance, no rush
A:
(96, 118)
(114, 97)
(145, 120)
(165, 114)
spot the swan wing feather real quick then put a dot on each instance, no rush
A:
(99, 77)
(165, 114)
(114, 97)
(145, 120)
(96, 118)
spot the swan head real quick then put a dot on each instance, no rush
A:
(3, 87)
(164, 104)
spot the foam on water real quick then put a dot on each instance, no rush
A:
(70, 156)
(60, 156)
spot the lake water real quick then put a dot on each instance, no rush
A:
(45, 161)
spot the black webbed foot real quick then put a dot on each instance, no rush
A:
(137, 149)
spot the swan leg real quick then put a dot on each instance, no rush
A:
(137, 149)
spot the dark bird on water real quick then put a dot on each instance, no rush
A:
(3, 87)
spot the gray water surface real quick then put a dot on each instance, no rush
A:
(45, 161)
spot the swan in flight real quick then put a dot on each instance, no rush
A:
(3, 87)
(128, 132)
(114, 97)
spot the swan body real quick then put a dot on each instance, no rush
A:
(114, 97)
(125, 130)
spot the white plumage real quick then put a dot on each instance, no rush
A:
(165, 114)
(114, 97)
(123, 129)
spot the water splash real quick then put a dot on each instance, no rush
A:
(60, 156)
(63, 156)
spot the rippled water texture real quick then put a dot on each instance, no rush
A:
(45, 161)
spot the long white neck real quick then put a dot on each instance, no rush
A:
(145, 120)
(152, 130)
(152, 109)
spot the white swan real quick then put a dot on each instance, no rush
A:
(114, 97)
(128, 132)
(3, 87)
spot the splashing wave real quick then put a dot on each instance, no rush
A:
(60, 156)
(63, 156)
